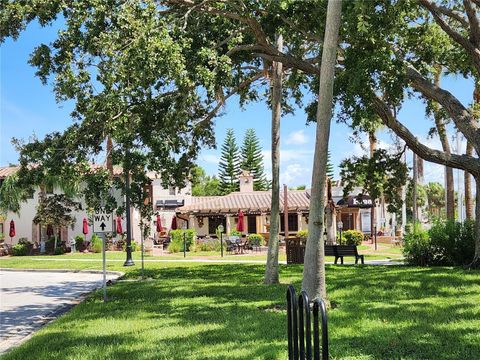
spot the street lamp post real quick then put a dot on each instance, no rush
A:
(340, 228)
(128, 247)
(221, 229)
(184, 227)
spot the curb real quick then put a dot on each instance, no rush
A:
(108, 272)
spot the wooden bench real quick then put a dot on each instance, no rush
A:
(347, 250)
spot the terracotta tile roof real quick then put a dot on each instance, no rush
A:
(8, 170)
(256, 201)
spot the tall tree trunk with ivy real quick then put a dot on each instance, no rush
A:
(314, 265)
(271, 269)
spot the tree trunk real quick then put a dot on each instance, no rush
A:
(331, 229)
(414, 192)
(372, 140)
(109, 155)
(468, 188)
(476, 259)
(442, 134)
(271, 269)
(314, 265)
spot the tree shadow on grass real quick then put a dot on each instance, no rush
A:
(225, 312)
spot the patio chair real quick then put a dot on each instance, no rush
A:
(232, 246)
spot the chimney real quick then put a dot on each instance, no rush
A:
(246, 181)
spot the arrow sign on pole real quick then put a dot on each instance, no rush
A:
(102, 221)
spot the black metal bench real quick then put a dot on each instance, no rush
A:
(330, 250)
(347, 250)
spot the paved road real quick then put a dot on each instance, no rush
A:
(29, 299)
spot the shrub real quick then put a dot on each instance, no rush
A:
(24, 241)
(96, 244)
(452, 243)
(134, 246)
(79, 242)
(207, 245)
(235, 232)
(353, 237)
(417, 248)
(256, 239)
(19, 250)
(302, 234)
(176, 240)
(59, 251)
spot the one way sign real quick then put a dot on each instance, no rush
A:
(102, 221)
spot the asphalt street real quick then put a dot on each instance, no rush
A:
(30, 299)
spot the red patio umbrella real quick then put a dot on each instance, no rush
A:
(159, 224)
(12, 230)
(119, 225)
(85, 228)
(240, 223)
(174, 223)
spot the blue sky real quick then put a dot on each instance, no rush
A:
(27, 107)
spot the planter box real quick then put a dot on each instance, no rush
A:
(295, 249)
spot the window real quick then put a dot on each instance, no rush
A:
(292, 222)
(214, 221)
(252, 224)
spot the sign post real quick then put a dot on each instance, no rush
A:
(103, 223)
(221, 229)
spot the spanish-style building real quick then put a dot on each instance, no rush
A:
(204, 214)
(165, 201)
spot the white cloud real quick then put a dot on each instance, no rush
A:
(286, 156)
(296, 174)
(297, 138)
(210, 158)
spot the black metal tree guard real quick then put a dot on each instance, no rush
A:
(300, 327)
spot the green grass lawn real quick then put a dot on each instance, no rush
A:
(223, 311)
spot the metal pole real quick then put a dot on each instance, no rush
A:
(104, 260)
(221, 243)
(143, 267)
(375, 235)
(128, 247)
(341, 236)
(184, 244)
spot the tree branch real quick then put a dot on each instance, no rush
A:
(462, 117)
(463, 162)
(447, 12)
(455, 35)
(235, 91)
(473, 20)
